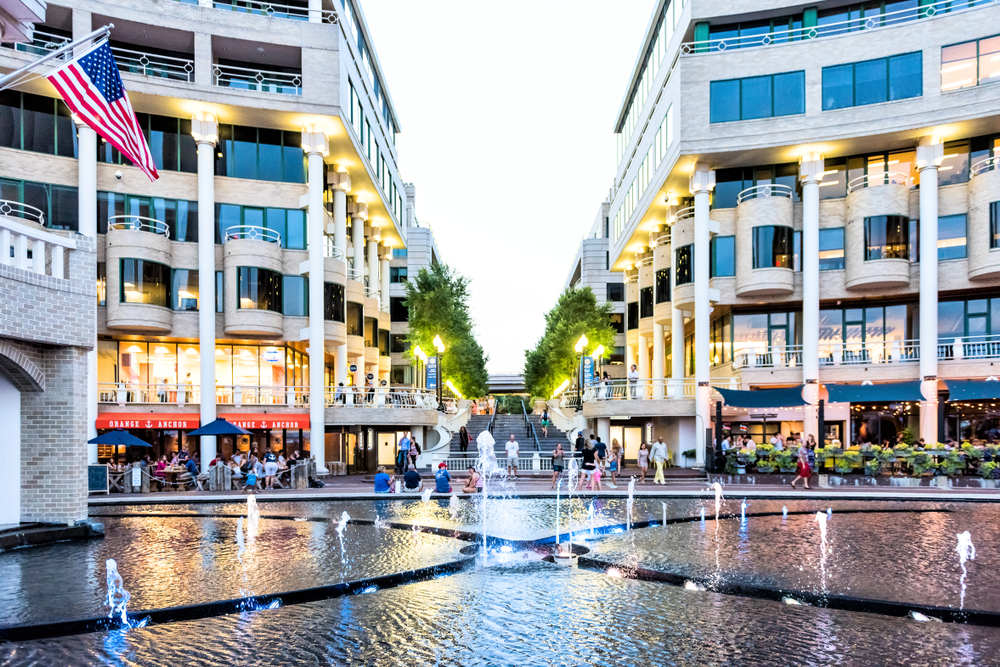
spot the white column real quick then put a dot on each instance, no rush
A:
(630, 356)
(702, 181)
(676, 351)
(930, 152)
(383, 296)
(657, 374)
(373, 281)
(811, 172)
(358, 241)
(341, 181)
(316, 146)
(315, 11)
(643, 364)
(604, 430)
(206, 134)
(340, 222)
(87, 214)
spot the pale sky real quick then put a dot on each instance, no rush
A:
(507, 112)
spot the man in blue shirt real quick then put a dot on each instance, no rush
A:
(383, 482)
(442, 480)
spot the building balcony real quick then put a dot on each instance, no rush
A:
(25, 244)
(867, 353)
(984, 190)
(876, 260)
(645, 398)
(129, 393)
(138, 223)
(764, 264)
(138, 258)
(290, 12)
(42, 43)
(154, 65)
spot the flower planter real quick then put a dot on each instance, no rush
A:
(741, 470)
(988, 483)
(787, 470)
(904, 481)
(823, 480)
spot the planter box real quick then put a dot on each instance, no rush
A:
(988, 483)
(787, 470)
(741, 470)
(942, 481)
(823, 480)
(904, 481)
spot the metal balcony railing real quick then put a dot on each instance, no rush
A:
(133, 393)
(282, 83)
(330, 250)
(276, 10)
(354, 274)
(983, 166)
(153, 65)
(381, 397)
(663, 239)
(763, 191)
(138, 223)
(27, 212)
(880, 20)
(42, 43)
(874, 180)
(252, 233)
(683, 215)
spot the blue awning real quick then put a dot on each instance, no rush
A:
(886, 392)
(788, 397)
(972, 390)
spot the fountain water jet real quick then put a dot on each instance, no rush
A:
(821, 520)
(784, 512)
(631, 499)
(426, 496)
(965, 551)
(253, 518)
(453, 506)
(118, 597)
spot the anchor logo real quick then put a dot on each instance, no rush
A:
(149, 424)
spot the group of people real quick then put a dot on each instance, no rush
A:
(407, 451)
(483, 406)
(413, 483)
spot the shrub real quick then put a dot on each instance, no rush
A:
(989, 470)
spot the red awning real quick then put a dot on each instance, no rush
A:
(127, 420)
(249, 420)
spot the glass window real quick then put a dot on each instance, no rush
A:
(143, 281)
(65, 210)
(398, 252)
(616, 291)
(398, 310)
(838, 87)
(371, 331)
(295, 293)
(397, 274)
(220, 296)
(662, 285)
(632, 315)
(955, 165)
(684, 265)
(723, 256)
(269, 154)
(292, 158)
(259, 289)
(184, 289)
(887, 237)
(831, 249)
(39, 124)
(355, 319)
(133, 363)
(772, 247)
(244, 157)
(246, 366)
(646, 302)
(10, 119)
(834, 182)
(383, 343)
(226, 216)
(333, 302)
(790, 93)
(959, 66)
(870, 82)
(755, 97)
(617, 322)
(951, 319)
(951, 236)
(989, 62)
(906, 76)
(399, 344)
(66, 138)
(995, 224)
(295, 236)
(724, 101)
(102, 284)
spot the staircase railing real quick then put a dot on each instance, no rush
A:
(493, 421)
(530, 427)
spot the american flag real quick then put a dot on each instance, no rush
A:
(93, 90)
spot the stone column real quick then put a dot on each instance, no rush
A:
(643, 364)
(205, 131)
(87, 215)
(383, 296)
(373, 281)
(340, 181)
(676, 352)
(315, 11)
(811, 172)
(657, 374)
(316, 147)
(701, 184)
(604, 430)
(930, 152)
(358, 240)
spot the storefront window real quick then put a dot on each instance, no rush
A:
(133, 363)
(272, 366)
(184, 289)
(146, 282)
(107, 361)
(245, 366)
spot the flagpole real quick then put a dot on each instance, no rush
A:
(8, 79)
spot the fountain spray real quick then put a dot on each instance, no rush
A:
(118, 597)
(821, 520)
(426, 496)
(628, 503)
(718, 500)
(590, 515)
(453, 506)
(965, 552)
(784, 512)
(743, 512)
(253, 518)
(345, 518)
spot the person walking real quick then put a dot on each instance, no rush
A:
(474, 408)
(615, 462)
(580, 442)
(545, 423)
(270, 469)
(803, 471)
(512, 449)
(659, 455)
(643, 461)
(558, 458)
(414, 450)
(589, 467)
(463, 440)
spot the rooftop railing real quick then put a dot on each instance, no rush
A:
(874, 180)
(276, 10)
(880, 20)
(138, 223)
(381, 397)
(153, 65)
(266, 81)
(27, 212)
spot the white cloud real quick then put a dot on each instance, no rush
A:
(507, 111)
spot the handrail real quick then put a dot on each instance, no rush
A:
(262, 80)
(664, 239)
(381, 397)
(874, 180)
(530, 427)
(983, 166)
(276, 10)
(764, 191)
(645, 261)
(42, 43)
(138, 223)
(683, 214)
(150, 64)
(252, 233)
(330, 250)
(831, 29)
(16, 209)
(354, 274)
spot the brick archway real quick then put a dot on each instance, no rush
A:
(20, 370)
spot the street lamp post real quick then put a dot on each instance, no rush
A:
(421, 357)
(439, 346)
(580, 346)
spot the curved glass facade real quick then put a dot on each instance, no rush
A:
(142, 281)
(259, 289)
(772, 247)
(684, 265)
(887, 237)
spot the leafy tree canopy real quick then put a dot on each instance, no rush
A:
(437, 300)
(554, 358)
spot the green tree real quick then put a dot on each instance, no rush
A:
(437, 299)
(554, 358)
